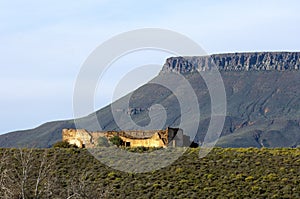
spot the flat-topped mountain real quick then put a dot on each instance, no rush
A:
(263, 102)
(280, 61)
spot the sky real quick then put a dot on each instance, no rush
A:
(43, 44)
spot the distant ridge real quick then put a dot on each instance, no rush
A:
(263, 102)
(257, 61)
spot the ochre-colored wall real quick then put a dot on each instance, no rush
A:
(79, 137)
(159, 138)
(154, 141)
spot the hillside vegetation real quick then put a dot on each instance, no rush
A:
(224, 173)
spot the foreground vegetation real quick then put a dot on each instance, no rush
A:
(223, 173)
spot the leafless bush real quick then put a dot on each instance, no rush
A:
(33, 173)
(81, 187)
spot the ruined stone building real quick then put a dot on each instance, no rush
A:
(150, 138)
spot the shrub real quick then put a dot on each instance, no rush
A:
(178, 170)
(116, 140)
(64, 144)
(249, 178)
(102, 142)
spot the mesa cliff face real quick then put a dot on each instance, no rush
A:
(279, 61)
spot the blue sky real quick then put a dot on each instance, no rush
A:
(44, 43)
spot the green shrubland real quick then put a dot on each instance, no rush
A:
(223, 173)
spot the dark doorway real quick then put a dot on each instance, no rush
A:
(127, 144)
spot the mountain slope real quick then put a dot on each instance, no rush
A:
(263, 102)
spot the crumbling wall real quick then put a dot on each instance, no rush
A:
(154, 141)
(151, 138)
(79, 137)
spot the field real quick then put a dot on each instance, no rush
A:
(223, 173)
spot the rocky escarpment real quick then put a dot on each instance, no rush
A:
(235, 62)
